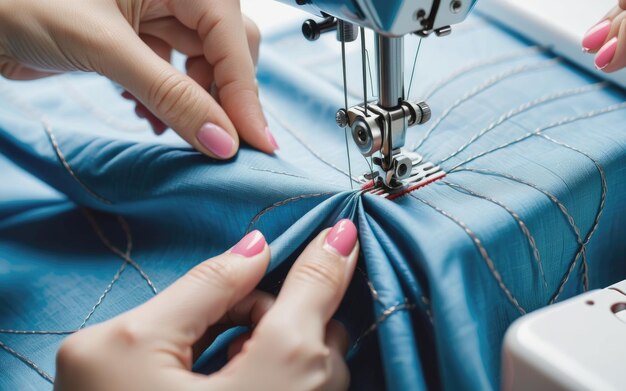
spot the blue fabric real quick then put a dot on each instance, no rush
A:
(452, 267)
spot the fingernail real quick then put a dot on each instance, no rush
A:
(594, 38)
(216, 140)
(252, 244)
(342, 237)
(271, 139)
(606, 54)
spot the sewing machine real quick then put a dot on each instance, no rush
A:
(379, 127)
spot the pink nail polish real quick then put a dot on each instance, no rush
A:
(606, 53)
(342, 237)
(271, 138)
(252, 244)
(216, 140)
(595, 37)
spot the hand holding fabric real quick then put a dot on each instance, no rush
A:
(293, 344)
(130, 42)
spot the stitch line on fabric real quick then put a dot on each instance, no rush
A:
(561, 122)
(406, 306)
(28, 109)
(427, 304)
(37, 332)
(482, 64)
(370, 286)
(302, 142)
(524, 108)
(278, 204)
(481, 88)
(596, 222)
(277, 172)
(520, 222)
(553, 198)
(116, 277)
(28, 362)
(66, 164)
(129, 243)
(86, 103)
(482, 251)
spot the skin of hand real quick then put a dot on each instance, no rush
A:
(131, 41)
(607, 40)
(294, 344)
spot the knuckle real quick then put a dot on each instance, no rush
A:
(129, 333)
(173, 96)
(214, 273)
(8, 69)
(253, 33)
(297, 347)
(323, 272)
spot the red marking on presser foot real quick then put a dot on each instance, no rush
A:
(422, 175)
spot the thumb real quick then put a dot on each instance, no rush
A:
(172, 96)
(201, 297)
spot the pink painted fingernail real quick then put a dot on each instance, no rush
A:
(252, 244)
(606, 53)
(216, 140)
(271, 139)
(595, 37)
(342, 237)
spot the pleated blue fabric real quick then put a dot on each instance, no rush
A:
(97, 215)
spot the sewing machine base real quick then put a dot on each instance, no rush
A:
(578, 344)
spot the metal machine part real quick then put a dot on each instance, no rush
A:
(379, 128)
(383, 130)
(393, 17)
(578, 344)
(421, 174)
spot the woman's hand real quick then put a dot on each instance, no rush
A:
(607, 40)
(293, 345)
(130, 42)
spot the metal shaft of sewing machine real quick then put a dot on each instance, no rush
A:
(390, 65)
(380, 128)
(390, 73)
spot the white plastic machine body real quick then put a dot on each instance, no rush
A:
(579, 344)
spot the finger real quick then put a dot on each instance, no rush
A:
(235, 347)
(248, 312)
(337, 337)
(254, 38)
(218, 23)
(612, 56)
(172, 96)
(14, 71)
(200, 70)
(177, 35)
(339, 377)
(601, 32)
(622, 4)
(202, 296)
(318, 279)
(164, 50)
